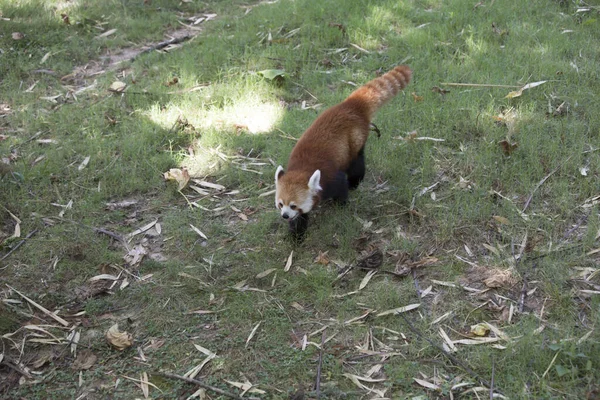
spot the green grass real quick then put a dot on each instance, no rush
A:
(235, 127)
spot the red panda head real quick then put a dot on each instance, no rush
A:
(295, 192)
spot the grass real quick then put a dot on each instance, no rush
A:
(228, 125)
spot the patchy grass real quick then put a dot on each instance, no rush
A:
(478, 207)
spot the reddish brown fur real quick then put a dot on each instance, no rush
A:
(338, 134)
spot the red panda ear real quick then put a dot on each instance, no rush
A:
(278, 173)
(314, 182)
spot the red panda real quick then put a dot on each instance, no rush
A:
(329, 159)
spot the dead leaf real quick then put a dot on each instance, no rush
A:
(498, 31)
(508, 147)
(426, 384)
(199, 232)
(119, 340)
(181, 176)
(265, 273)
(288, 263)
(17, 35)
(85, 360)
(105, 34)
(416, 97)
(173, 81)
(65, 18)
(322, 258)
(399, 310)
(339, 26)
(480, 329)
(84, 163)
(366, 279)
(437, 89)
(252, 334)
(519, 92)
(501, 220)
(371, 261)
(117, 87)
(144, 384)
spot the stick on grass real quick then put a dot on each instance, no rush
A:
(30, 234)
(453, 359)
(205, 386)
(40, 307)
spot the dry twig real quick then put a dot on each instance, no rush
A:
(453, 359)
(205, 386)
(540, 183)
(318, 382)
(30, 234)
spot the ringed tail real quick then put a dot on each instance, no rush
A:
(380, 90)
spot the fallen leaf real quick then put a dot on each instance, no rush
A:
(272, 74)
(85, 360)
(501, 220)
(416, 97)
(172, 82)
(500, 278)
(144, 384)
(426, 384)
(399, 310)
(437, 89)
(84, 163)
(252, 334)
(44, 59)
(288, 263)
(17, 35)
(508, 147)
(366, 279)
(117, 86)
(65, 18)
(480, 329)
(119, 340)
(181, 176)
(265, 273)
(322, 258)
(519, 92)
(105, 34)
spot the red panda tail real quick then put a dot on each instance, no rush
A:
(379, 91)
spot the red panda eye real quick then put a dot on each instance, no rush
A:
(280, 205)
(293, 207)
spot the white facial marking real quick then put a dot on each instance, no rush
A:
(287, 210)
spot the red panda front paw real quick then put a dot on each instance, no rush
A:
(298, 227)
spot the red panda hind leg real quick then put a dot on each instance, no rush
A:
(356, 170)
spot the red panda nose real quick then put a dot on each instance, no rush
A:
(285, 216)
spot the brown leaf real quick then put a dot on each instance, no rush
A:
(497, 278)
(119, 340)
(322, 258)
(181, 176)
(339, 26)
(85, 360)
(437, 89)
(501, 220)
(17, 35)
(371, 260)
(65, 18)
(416, 97)
(173, 81)
(508, 147)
